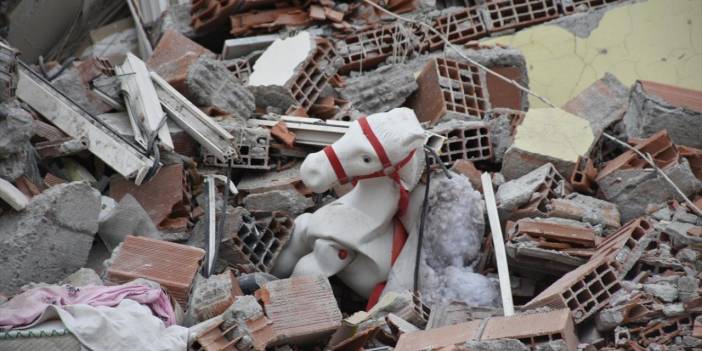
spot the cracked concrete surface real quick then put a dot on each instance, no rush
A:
(655, 40)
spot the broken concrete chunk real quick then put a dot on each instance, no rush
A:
(632, 190)
(51, 238)
(516, 193)
(15, 131)
(665, 292)
(586, 209)
(603, 103)
(674, 310)
(493, 345)
(502, 123)
(83, 277)
(687, 288)
(8, 70)
(273, 180)
(165, 194)
(245, 320)
(212, 296)
(380, 90)
(244, 308)
(127, 218)
(15, 128)
(609, 318)
(548, 135)
(210, 84)
(655, 106)
(289, 200)
(178, 19)
(74, 82)
(233, 224)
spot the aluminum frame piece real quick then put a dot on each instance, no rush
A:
(196, 123)
(104, 143)
(142, 103)
(309, 131)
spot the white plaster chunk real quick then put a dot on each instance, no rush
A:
(278, 63)
(555, 133)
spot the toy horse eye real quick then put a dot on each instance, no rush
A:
(366, 159)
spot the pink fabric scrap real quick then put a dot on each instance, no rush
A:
(26, 308)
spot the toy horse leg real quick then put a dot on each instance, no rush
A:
(296, 248)
(327, 258)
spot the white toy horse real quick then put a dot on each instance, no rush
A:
(358, 236)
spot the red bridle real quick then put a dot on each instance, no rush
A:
(389, 170)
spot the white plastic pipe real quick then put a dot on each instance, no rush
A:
(498, 245)
(211, 223)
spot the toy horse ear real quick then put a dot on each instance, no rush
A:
(416, 140)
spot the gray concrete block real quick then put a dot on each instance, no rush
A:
(15, 131)
(51, 238)
(649, 113)
(603, 103)
(632, 190)
(209, 83)
(289, 200)
(380, 90)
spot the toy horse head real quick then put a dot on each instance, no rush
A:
(388, 143)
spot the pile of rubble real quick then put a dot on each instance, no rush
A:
(157, 201)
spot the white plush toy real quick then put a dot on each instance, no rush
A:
(357, 236)
(361, 237)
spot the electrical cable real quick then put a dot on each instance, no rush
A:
(422, 220)
(425, 209)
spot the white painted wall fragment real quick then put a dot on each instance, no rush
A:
(555, 133)
(278, 63)
(12, 196)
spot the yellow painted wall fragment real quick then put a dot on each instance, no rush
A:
(658, 40)
(554, 132)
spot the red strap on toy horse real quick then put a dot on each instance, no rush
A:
(389, 170)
